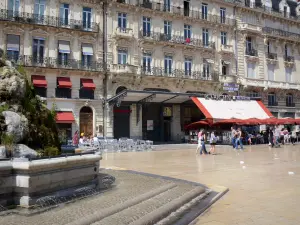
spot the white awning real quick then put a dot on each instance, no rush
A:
(238, 109)
(210, 61)
(13, 42)
(87, 49)
(64, 47)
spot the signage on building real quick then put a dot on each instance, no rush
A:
(167, 111)
(149, 124)
(231, 87)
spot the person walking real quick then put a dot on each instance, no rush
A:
(202, 141)
(239, 139)
(233, 137)
(213, 142)
(271, 137)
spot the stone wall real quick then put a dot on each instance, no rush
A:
(23, 181)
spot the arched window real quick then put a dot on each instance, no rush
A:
(272, 101)
(290, 100)
(120, 89)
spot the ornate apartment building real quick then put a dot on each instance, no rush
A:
(80, 53)
(268, 53)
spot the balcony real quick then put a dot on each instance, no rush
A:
(290, 104)
(35, 19)
(178, 11)
(123, 32)
(251, 52)
(123, 69)
(174, 39)
(226, 49)
(271, 56)
(48, 62)
(178, 73)
(271, 103)
(63, 93)
(251, 27)
(277, 32)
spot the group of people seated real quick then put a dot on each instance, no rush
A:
(88, 140)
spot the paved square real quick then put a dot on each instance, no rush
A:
(263, 182)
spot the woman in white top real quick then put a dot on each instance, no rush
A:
(213, 142)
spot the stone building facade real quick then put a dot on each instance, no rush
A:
(79, 53)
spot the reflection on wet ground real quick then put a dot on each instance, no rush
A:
(264, 182)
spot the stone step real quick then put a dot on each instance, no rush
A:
(154, 209)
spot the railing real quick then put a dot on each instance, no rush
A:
(30, 18)
(226, 48)
(48, 62)
(272, 103)
(279, 32)
(180, 11)
(289, 58)
(270, 55)
(63, 93)
(178, 73)
(124, 30)
(251, 52)
(269, 10)
(290, 104)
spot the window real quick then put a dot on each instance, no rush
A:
(290, 100)
(286, 50)
(251, 70)
(205, 37)
(87, 55)
(285, 14)
(272, 99)
(224, 68)
(204, 11)
(187, 32)
(146, 26)
(222, 15)
(122, 22)
(188, 67)
(206, 69)
(271, 75)
(86, 93)
(248, 44)
(147, 59)
(252, 94)
(168, 64)
(168, 29)
(13, 8)
(39, 10)
(62, 92)
(41, 91)
(223, 38)
(38, 50)
(13, 47)
(64, 14)
(288, 74)
(87, 18)
(268, 46)
(63, 52)
(167, 5)
(122, 57)
(186, 8)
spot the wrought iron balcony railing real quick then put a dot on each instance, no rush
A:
(271, 103)
(270, 55)
(288, 58)
(278, 32)
(176, 39)
(180, 11)
(178, 73)
(251, 52)
(290, 104)
(30, 18)
(48, 62)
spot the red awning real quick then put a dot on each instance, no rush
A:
(88, 84)
(39, 81)
(197, 124)
(64, 117)
(64, 82)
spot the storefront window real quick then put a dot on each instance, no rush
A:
(64, 132)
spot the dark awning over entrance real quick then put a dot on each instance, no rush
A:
(151, 96)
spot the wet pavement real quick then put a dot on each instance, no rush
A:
(263, 182)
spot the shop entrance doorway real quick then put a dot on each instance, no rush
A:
(86, 121)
